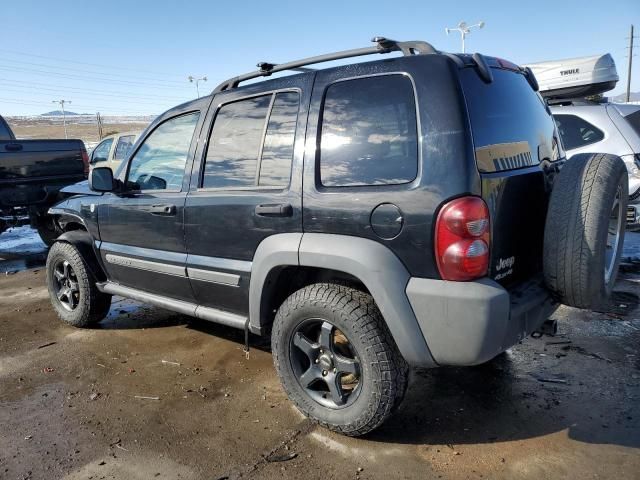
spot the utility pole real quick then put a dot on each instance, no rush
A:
(196, 80)
(630, 63)
(64, 115)
(99, 120)
(464, 30)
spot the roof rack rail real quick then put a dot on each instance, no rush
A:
(383, 45)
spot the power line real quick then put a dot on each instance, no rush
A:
(141, 101)
(66, 60)
(88, 107)
(81, 77)
(89, 72)
(43, 86)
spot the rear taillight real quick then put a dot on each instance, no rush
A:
(462, 239)
(85, 161)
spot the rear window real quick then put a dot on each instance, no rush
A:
(369, 132)
(510, 125)
(634, 121)
(124, 146)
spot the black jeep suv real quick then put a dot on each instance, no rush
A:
(409, 211)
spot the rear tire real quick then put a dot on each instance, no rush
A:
(377, 387)
(72, 289)
(584, 230)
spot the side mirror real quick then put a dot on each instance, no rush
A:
(101, 179)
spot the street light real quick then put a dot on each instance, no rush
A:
(194, 79)
(64, 115)
(464, 30)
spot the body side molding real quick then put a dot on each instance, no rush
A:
(213, 276)
(156, 267)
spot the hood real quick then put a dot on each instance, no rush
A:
(80, 188)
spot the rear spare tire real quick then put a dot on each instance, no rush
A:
(584, 229)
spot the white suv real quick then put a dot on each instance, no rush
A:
(609, 128)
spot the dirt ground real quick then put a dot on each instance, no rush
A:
(84, 128)
(152, 394)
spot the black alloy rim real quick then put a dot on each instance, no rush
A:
(65, 285)
(325, 363)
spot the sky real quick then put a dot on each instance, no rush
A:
(134, 57)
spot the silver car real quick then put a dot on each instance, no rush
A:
(608, 128)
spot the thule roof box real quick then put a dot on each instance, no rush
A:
(575, 77)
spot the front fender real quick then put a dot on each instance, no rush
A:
(83, 241)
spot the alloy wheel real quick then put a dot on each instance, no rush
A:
(325, 363)
(616, 219)
(66, 285)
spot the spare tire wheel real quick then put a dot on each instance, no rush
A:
(584, 230)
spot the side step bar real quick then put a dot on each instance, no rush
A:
(180, 306)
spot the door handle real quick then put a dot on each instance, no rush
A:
(13, 147)
(274, 210)
(163, 209)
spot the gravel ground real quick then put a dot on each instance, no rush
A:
(153, 394)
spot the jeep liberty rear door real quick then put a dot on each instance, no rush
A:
(245, 185)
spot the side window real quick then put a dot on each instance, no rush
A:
(369, 132)
(101, 152)
(160, 161)
(277, 153)
(576, 132)
(239, 156)
(123, 146)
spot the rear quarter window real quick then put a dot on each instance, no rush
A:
(369, 132)
(510, 124)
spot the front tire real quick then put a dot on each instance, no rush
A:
(336, 358)
(72, 289)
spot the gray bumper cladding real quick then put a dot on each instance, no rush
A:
(467, 323)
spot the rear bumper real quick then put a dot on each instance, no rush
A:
(467, 323)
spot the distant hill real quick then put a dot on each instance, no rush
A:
(58, 113)
(633, 97)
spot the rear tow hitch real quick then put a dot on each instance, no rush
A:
(549, 327)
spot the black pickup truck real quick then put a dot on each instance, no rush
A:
(32, 172)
